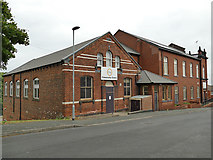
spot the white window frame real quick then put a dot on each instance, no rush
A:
(26, 88)
(5, 88)
(184, 93)
(197, 71)
(198, 92)
(192, 92)
(17, 88)
(11, 88)
(203, 72)
(108, 59)
(85, 87)
(36, 88)
(99, 60)
(184, 68)
(191, 70)
(126, 87)
(117, 62)
(175, 67)
(165, 66)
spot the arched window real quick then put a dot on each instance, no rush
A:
(127, 87)
(117, 62)
(36, 88)
(17, 88)
(175, 67)
(5, 88)
(26, 88)
(192, 92)
(11, 88)
(86, 87)
(99, 59)
(191, 70)
(108, 59)
(197, 71)
(184, 69)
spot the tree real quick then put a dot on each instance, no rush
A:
(10, 35)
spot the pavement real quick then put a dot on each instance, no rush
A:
(11, 129)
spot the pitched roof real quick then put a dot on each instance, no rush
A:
(162, 46)
(52, 58)
(147, 77)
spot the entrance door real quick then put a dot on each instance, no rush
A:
(109, 100)
(176, 95)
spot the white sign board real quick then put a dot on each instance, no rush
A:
(204, 85)
(108, 73)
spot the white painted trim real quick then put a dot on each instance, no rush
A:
(86, 57)
(129, 74)
(130, 70)
(77, 65)
(70, 70)
(126, 63)
(97, 100)
(108, 41)
(125, 60)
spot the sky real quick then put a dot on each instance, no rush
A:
(49, 23)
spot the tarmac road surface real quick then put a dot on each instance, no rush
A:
(182, 135)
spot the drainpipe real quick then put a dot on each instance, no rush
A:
(162, 63)
(201, 97)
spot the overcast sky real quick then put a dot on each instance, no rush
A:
(49, 23)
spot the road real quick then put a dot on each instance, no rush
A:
(182, 135)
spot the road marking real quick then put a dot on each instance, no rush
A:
(124, 120)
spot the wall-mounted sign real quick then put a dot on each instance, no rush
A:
(108, 73)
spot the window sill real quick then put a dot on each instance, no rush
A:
(86, 101)
(167, 101)
(176, 76)
(25, 97)
(166, 75)
(36, 99)
(184, 76)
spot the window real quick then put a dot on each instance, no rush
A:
(191, 70)
(197, 72)
(17, 88)
(164, 93)
(165, 66)
(5, 88)
(192, 92)
(198, 92)
(184, 69)
(26, 88)
(36, 88)
(127, 87)
(117, 62)
(169, 92)
(11, 88)
(86, 87)
(99, 59)
(108, 59)
(175, 67)
(203, 72)
(184, 93)
(145, 90)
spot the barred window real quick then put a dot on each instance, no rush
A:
(117, 62)
(26, 88)
(99, 59)
(108, 59)
(127, 87)
(36, 88)
(86, 87)
(17, 88)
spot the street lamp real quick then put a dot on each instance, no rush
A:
(73, 78)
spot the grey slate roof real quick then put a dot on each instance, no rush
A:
(129, 50)
(147, 77)
(162, 46)
(52, 58)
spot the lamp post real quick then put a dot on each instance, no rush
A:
(73, 78)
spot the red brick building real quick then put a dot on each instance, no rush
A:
(189, 70)
(108, 71)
